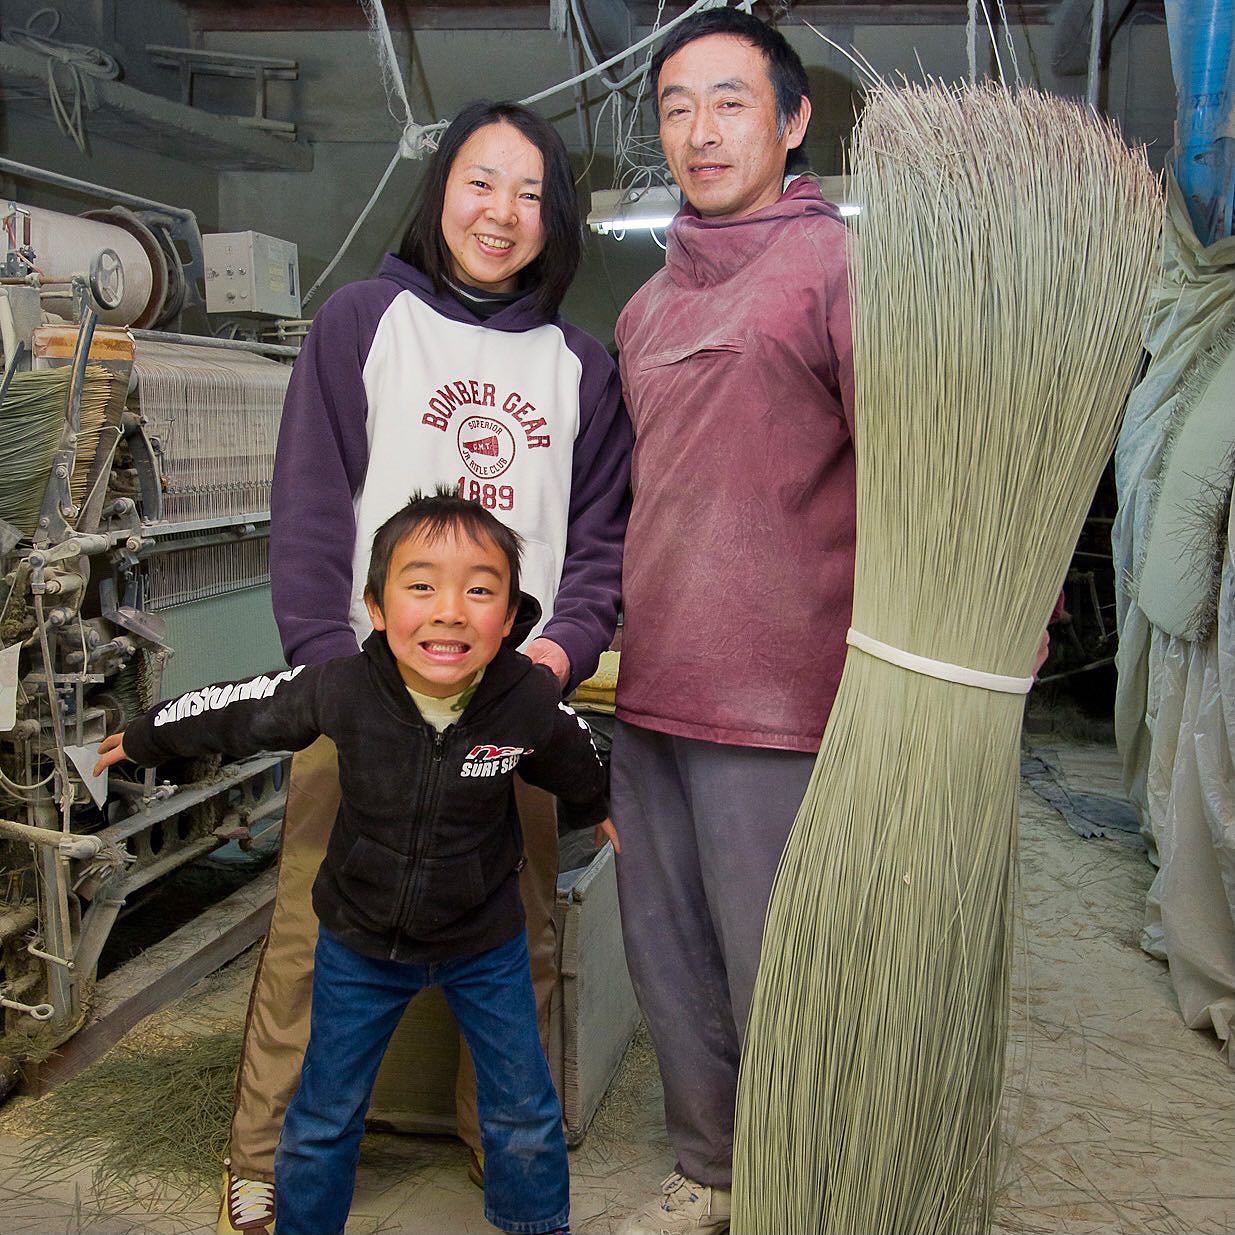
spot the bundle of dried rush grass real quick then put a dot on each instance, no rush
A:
(1003, 259)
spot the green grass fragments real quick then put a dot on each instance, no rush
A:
(151, 1118)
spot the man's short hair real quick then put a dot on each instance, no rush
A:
(437, 515)
(784, 65)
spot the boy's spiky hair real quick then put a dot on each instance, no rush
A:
(436, 515)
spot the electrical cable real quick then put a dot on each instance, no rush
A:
(581, 101)
(80, 59)
(698, 6)
(576, 10)
(20, 790)
(610, 99)
(643, 79)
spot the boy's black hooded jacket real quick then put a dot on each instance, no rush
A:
(422, 863)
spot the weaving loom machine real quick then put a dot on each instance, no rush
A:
(134, 521)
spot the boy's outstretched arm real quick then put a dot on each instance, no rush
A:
(269, 712)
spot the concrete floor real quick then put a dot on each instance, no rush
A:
(1119, 1119)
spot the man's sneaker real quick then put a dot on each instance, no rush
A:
(247, 1206)
(684, 1207)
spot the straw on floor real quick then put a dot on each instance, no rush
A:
(1001, 266)
(151, 1119)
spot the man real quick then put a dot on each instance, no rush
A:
(738, 574)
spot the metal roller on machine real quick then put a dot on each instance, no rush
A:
(125, 266)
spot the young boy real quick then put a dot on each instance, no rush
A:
(419, 885)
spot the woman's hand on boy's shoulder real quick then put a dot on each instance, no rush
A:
(545, 652)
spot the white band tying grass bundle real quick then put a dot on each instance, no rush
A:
(941, 669)
(1000, 270)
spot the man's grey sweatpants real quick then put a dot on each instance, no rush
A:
(702, 827)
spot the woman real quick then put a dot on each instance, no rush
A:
(450, 368)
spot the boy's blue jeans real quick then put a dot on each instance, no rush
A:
(357, 1002)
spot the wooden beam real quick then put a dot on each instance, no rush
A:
(158, 977)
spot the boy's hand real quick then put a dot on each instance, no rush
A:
(605, 831)
(546, 652)
(111, 750)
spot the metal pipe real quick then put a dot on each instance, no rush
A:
(48, 956)
(69, 844)
(55, 924)
(1201, 57)
(67, 584)
(116, 271)
(95, 928)
(234, 345)
(1069, 673)
(13, 362)
(39, 1011)
(1073, 35)
(1094, 81)
(24, 171)
(77, 381)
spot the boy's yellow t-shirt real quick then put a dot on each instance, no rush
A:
(443, 712)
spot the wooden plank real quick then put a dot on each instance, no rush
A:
(159, 976)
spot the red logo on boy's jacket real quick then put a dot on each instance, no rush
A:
(489, 760)
(496, 752)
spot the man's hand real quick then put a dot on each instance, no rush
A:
(1044, 650)
(605, 831)
(111, 750)
(546, 652)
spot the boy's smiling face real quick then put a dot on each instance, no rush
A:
(446, 609)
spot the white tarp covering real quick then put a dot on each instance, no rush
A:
(1175, 704)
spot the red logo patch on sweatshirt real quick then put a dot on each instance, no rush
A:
(486, 446)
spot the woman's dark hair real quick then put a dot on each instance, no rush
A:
(784, 65)
(546, 278)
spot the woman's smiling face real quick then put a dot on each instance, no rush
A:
(491, 209)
